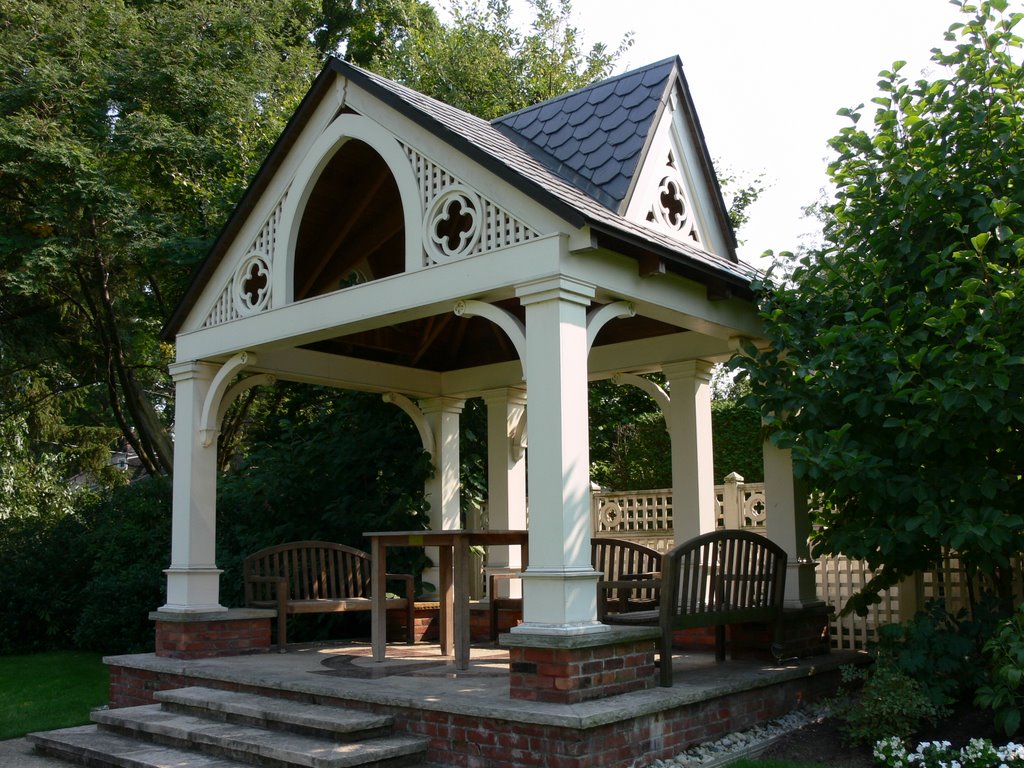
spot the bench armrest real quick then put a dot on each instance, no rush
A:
(405, 578)
(631, 583)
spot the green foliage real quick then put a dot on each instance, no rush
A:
(939, 650)
(895, 369)
(126, 548)
(324, 465)
(127, 132)
(483, 64)
(889, 703)
(1003, 691)
(630, 447)
(45, 691)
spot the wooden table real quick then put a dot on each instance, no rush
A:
(454, 589)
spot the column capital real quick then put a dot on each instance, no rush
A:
(556, 288)
(510, 395)
(441, 405)
(694, 369)
(192, 369)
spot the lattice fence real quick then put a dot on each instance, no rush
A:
(646, 517)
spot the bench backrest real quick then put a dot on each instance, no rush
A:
(617, 559)
(722, 577)
(313, 570)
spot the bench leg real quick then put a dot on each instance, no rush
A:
(720, 643)
(665, 658)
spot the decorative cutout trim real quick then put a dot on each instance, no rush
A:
(671, 210)
(249, 290)
(458, 222)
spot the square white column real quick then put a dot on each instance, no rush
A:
(444, 489)
(193, 579)
(689, 425)
(506, 479)
(789, 524)
(560, 584)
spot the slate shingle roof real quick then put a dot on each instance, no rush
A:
(594, 137)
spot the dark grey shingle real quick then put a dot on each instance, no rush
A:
(581, 115)
(599, 157)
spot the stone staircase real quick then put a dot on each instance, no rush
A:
(208, 728)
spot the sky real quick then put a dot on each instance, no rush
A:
(767, 78)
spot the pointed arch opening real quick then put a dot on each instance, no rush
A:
(352, 228)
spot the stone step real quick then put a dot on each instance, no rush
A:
(88, 745)
(252, 744)
(275, 713)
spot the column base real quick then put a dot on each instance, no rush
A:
(202, 635)
(568, 669)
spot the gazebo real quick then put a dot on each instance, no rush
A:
(394, 244)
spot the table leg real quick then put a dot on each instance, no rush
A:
(378, 589)
(444, 593)
(462, 634)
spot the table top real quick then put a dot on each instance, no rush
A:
(450, 537)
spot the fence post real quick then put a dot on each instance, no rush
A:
(910, 593)
(732, 501)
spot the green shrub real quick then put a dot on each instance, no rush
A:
(890, 703)
(937, 649)
(1003, 691)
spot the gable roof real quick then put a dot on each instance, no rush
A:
(579, 198)
(594, 137)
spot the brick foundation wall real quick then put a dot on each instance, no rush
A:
(473, 741)
(572, 675)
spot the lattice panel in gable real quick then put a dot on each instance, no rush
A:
(458, 222)
(248, 290)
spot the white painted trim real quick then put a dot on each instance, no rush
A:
(659, 395)
(209, 423)
(600, 317)
(414, 413)
(509, 323)
(381, 140)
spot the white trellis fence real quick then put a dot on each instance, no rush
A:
(646, 517)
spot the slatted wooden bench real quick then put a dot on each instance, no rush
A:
(720, 578)
(628, 572)
(626, 566)
(317, 577)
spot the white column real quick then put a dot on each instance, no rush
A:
(693, 474)
(443, 490)
(789, 525)
(506, 480)
(193, 579)
(560, 585)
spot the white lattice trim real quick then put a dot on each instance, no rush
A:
(248, 290)
(483, 225)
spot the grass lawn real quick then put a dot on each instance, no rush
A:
(45, 691)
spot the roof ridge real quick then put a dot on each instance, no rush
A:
(589, 86)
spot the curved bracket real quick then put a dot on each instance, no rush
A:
(232, 394)
(518, 438)
(600, 317)
(659, 395)
(509, 323)
(209, 422)
(414, 413)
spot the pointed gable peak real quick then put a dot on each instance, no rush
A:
(633, 144)
(595, 137)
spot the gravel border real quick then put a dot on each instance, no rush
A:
(744, 744)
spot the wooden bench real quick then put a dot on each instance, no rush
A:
(619, 562)
(628, 572)
(316, 577)
(720, 578)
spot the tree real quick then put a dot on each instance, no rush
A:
(896, 371)
(483, 64)
(127, 130)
